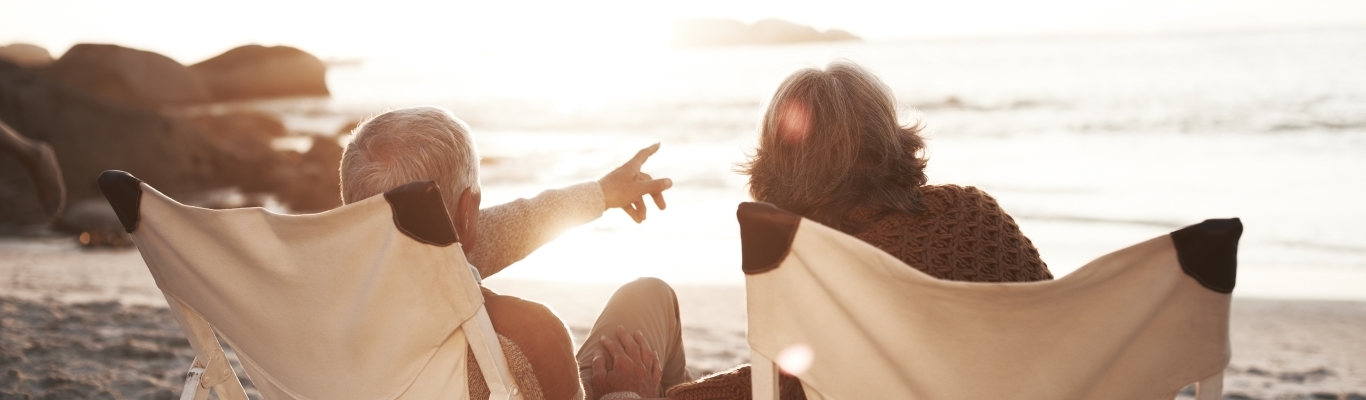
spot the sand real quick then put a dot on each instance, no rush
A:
(91, 324)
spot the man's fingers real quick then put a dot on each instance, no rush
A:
(659, 199)
(619, 358)
(648, 357)
(599, 368)
(657, 195)
(629, 343)
(632, 211)
(642, 155)
(654, 186)
(639, 205)
(657, 372)
(644, 345)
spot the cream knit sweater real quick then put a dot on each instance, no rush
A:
(508, 233)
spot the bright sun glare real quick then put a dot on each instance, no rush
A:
(428, 29)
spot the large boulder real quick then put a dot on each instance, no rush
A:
(312, 184)
(307, 182)
(26, 55)
(127, 76)
(90, 135)
(257, 72)
(243, 140)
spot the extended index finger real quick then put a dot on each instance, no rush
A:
(642, 155)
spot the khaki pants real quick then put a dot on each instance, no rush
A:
(650, 306)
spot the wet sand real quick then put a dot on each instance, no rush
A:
(80, 324)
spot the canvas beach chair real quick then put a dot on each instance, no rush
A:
(373, 300)
(1138, 323)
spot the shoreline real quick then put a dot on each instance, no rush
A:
(89, 322)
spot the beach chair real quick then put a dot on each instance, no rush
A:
(853, 322)
(373, 300)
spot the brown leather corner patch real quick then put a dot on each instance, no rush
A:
(420, 213)
(1208, 252)
(124, 193)
(766, 234)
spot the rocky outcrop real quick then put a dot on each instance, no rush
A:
(243, 144)
(127, 76)
(26, 55)
(253, 72)
(104, 107)
(90, 135)
(306, 182)
(726, 32)
(314, 183)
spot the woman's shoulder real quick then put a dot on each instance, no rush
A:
(939, 197)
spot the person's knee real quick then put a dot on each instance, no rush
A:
(647, 287)
(649, 290)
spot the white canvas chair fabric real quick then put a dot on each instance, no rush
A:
(368, 301)
(1139, 323)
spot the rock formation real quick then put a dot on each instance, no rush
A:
(313, 183)
(726, 32)
(252, 72)
(127, 76)
(91, 135)
(106, 107)
(26, 55)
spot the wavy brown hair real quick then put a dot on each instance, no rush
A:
(830, 143)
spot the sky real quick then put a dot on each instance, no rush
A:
(191, 31)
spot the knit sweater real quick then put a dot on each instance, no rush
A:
(538, 347)
(963, 235)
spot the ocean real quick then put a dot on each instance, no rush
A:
(1092, 143)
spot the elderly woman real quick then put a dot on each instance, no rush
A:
(831, 150)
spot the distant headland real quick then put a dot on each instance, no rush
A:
(727, 32)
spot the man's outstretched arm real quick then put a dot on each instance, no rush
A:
(510, 232)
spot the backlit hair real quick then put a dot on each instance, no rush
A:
(405, 145)
(830, 142)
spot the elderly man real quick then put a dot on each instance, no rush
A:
(638, 333)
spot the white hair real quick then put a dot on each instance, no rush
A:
(409, 144)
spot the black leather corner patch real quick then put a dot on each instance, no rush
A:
(124, 193)
(766, 234)
(1208, 252)
(420, 213)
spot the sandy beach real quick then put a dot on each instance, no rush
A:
(91, 324)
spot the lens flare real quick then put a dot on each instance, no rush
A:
(794, 121)
(796, 358)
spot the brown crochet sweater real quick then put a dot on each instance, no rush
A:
(963, 235)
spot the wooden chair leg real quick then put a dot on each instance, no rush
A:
(192, 390)
(1211, 388)
(216, 372)
(764, 374)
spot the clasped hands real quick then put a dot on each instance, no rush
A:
(630, 365)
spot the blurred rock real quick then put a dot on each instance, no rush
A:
(243, 142)
(726, 32)
(257, 72)
(306, 182)
(26, 55)
(314, 183)
(90, 136)
(243, 125)
(127, 76)
(94, 223)
(349, 126)
(19, 204)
